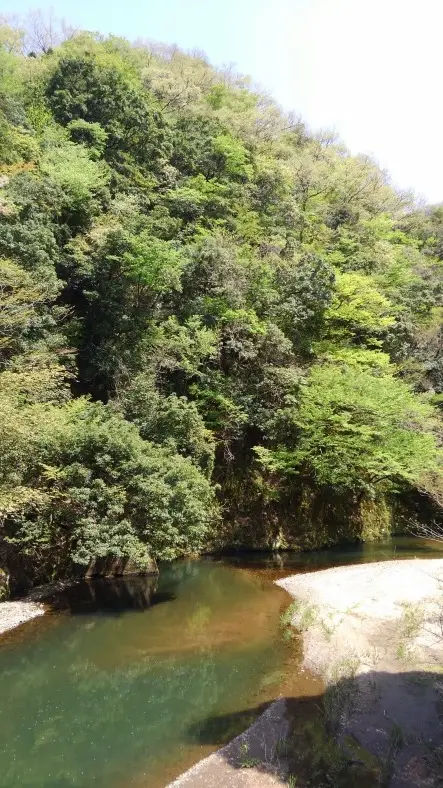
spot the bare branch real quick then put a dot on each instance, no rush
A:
(44, 31)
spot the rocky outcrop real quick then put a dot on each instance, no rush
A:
(110, 566)
(374, 633)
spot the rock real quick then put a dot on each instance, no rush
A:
(111, 566)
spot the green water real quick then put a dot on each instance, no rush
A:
(135, 681)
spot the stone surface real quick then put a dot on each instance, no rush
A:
(224, 769)
(374, 632)
(110, 566)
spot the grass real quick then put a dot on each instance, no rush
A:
(409, 627)
(396, 742)
(328, 629)
(318, 752)
(246, 762)
(282, 748)
(341, 692)
(411, 620)
(322, 760)
(403, 652)
(434, 761)
(286, 617)
(325, 760)
(306, 615)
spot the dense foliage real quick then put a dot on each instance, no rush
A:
(208, 314)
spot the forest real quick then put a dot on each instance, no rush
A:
(217, 327)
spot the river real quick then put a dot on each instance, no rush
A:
(133, 681)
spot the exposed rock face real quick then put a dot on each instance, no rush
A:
(223, 769)
(110, 566)
(310, 519)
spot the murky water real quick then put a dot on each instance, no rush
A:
(135, 681)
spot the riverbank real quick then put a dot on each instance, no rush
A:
(372, 632)
(12, 614)
(375, 634)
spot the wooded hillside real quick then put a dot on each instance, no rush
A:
(216, 327)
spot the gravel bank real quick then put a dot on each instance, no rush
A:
(12, 614)
(344, 611)
(374, 632)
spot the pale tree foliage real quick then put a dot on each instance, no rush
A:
(12, 34)
(179, 80)
(36, 33)
(250, 110)
(185, 81)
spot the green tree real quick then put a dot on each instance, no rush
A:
(98, 90)
(85, 484)
(357, 429)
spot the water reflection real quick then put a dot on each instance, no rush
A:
(110, 695)
(148, 672)
(365, 552)
(114, 595)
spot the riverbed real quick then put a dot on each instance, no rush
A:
(132, 682)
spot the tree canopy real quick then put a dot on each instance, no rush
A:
(205, 308)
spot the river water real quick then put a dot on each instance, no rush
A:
(133, 681)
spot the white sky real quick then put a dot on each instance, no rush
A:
(370, 70)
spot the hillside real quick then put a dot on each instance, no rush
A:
(216, 327)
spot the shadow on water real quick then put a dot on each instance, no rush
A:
(221, 728)
(395, 548)
(375, 729)
(116, 595)
(111, 698)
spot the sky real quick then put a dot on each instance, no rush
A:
(368, 69)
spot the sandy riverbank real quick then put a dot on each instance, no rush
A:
(12, 614)
(374, 632)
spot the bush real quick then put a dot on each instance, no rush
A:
(85, 484)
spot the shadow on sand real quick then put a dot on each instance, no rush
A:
(375, 729)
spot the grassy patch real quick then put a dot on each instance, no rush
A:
(306, 615)
(341, 693)
(409, 627)
(246, 761)
(396, 742)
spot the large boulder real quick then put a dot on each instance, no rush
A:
(111, 566)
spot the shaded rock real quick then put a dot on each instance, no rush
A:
(111, 566)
